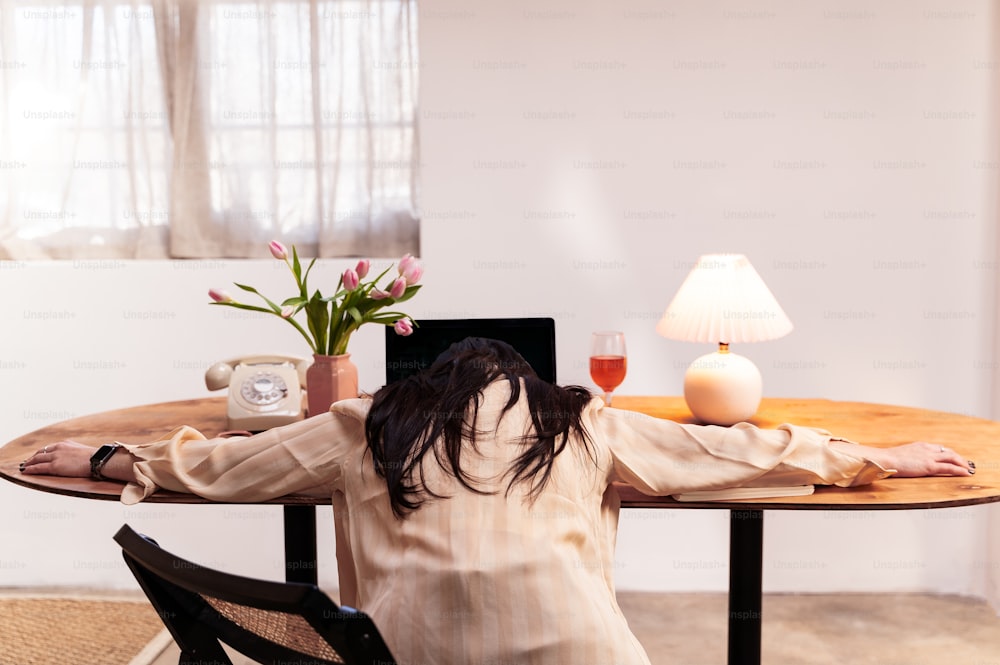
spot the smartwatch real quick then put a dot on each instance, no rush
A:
(100, 458)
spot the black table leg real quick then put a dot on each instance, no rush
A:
(300, 544)
(746, 560)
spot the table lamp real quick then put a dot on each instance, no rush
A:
(723, 301)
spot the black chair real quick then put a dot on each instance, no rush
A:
(269, 622)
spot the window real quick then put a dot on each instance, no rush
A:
(196, 129)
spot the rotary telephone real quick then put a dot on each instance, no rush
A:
(264, 391)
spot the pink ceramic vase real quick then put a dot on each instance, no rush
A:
(330, 379)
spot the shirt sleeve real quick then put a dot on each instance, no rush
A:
(303, 457)
(659, 457)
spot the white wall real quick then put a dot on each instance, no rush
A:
(577, 158)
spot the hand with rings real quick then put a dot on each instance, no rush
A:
(64, 458)
(918, 459)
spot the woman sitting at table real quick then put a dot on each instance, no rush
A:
(483, 496)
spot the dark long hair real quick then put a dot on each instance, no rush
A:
(436, 409)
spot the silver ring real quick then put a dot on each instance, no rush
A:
(45, 449)
(942, 448)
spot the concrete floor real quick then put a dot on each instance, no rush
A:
(860, 629)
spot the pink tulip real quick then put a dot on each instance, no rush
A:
(218, 295)
(414, 274)
(403, 327)
(378, 294)
(363, 266)
(287, 311)
(398, 288)
(410, 269)
(350, 278)
(278, 250)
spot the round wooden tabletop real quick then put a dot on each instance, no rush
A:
(872, 424)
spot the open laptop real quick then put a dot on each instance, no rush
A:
(532, 337)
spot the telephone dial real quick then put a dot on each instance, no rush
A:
(264, 391)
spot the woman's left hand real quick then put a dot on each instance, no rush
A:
(915, 460)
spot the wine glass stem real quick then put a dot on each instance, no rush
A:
(607, 398)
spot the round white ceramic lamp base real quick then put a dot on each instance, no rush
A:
(722, 388)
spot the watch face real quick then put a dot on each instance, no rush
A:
(100, 458)
(103, 453)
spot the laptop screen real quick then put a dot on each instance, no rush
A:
(533, 338)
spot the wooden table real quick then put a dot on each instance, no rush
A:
(872, 424)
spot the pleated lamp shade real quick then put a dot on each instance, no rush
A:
(724, 300)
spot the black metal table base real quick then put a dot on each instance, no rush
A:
(300, 544)
(746, 559)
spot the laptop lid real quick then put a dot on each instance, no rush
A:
(532, 337)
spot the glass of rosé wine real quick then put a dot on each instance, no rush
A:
(607, 361)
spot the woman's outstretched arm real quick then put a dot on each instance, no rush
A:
(302, 456)
(663, 457)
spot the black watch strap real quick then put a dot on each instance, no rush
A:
(100, 458)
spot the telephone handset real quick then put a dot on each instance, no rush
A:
(264, 391)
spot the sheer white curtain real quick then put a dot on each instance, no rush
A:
(196, 129)
(82, 150)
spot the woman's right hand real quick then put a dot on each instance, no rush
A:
(63, 458)
(71, 459)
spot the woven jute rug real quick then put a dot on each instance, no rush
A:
(43, 629)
